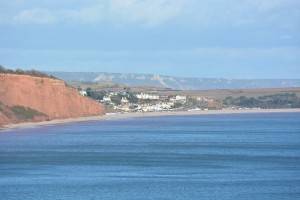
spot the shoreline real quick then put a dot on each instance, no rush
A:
(119, 116)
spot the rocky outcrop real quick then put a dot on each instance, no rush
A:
(41, 98)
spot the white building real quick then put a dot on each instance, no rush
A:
(178, 98)
(155, 107)
(124, 100)
(204, 99)
(147, 96)
(106, 99)
(83, 93)
(200, 98)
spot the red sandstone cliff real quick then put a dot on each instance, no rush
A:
(46, 98)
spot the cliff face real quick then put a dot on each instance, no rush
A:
(40, 99)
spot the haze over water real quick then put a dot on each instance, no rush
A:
(239, 156)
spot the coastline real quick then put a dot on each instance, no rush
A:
(119, 116)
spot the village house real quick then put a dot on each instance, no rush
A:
(178, 98)
(124, 100)
(106, 99)
(144, 96)
(83, 93)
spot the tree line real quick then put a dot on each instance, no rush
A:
(285, 100)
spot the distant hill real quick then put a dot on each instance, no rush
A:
(178, 83)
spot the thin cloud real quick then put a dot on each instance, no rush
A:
(209, 13)
(147, 12)
(35, 16)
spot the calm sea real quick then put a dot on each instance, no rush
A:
(240, 156)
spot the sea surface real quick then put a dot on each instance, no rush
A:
(238, 156)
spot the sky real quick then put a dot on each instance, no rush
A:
(190, 38)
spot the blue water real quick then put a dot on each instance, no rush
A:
(240, 156)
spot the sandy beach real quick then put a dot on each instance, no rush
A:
(119, 116)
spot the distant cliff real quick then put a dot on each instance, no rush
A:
(32, 98)
(177, 83)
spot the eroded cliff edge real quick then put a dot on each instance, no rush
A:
(26, 98)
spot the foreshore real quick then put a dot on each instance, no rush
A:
(119, 116)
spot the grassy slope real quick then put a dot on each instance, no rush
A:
(17, 114)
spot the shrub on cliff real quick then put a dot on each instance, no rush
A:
(23, 113)
(25, 72)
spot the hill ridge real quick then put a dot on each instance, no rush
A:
(181, 83)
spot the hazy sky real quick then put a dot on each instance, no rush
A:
(198, 38)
